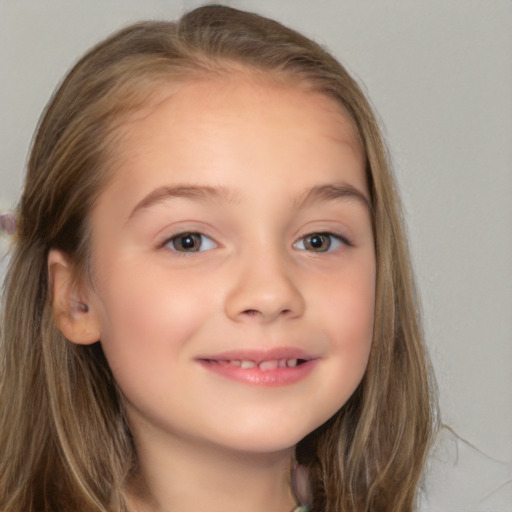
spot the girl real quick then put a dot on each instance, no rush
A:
(210, 305)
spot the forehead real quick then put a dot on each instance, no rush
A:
(189, 101)
(194, 129)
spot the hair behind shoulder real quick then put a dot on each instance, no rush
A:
(64, 442)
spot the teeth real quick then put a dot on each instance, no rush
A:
(263, 365)
(271, 364)
(268, 365)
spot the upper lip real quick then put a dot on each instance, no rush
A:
(259, 355)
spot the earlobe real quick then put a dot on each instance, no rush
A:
(71, 307)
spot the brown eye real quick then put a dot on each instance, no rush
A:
(190, 242)
(318, 242)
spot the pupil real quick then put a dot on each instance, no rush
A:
(188, 241)
(317, 241)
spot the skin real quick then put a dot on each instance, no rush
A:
(256, 284)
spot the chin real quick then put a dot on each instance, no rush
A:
(268, 438)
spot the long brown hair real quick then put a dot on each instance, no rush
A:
(64, 441)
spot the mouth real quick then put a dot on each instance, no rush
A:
(265, 365)
(272, 368)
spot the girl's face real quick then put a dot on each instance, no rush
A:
(234, 266)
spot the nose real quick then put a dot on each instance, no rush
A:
(264, 289)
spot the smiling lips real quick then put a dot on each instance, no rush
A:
(275, 368)
(271, 364)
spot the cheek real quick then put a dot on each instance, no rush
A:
(349, 302)
(348, 318)
(356, 312)
(147, 316)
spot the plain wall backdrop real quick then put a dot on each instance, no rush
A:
(439, 73)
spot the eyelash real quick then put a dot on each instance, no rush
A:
(301, 244)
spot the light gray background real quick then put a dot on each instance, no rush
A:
(439, 73)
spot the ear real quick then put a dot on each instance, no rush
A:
(72, 311)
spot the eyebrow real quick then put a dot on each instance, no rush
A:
(202, 192)
(207, 192)
(333, 192)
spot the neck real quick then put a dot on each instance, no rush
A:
(186, 477)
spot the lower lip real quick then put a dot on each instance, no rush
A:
(257, 377)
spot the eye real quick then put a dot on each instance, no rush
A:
(319, 242)
(190, 242)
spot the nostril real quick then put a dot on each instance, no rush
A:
(251, 312)
(256, 312)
